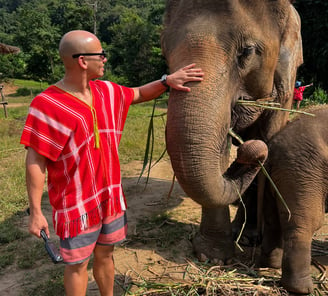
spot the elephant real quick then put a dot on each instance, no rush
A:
(248, 50)
(298, 166)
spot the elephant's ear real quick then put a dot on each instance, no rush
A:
(290, 57)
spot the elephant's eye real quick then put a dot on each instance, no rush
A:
(244, 54)
(248, 50)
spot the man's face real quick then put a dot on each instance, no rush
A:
(94, 58)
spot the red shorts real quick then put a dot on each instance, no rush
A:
(112, 230)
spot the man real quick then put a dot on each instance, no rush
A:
(72, 131)
(298, 93)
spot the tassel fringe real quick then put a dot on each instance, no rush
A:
(93, 217)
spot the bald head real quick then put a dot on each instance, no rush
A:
(78, 41)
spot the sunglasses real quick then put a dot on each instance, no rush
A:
(102, 54)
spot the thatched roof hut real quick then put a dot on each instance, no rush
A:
(7, 49)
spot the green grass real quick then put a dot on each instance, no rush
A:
(30, 84)
(134, 138)
(12, 179)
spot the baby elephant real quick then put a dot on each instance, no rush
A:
(298, 166)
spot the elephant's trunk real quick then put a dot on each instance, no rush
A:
(198, 145)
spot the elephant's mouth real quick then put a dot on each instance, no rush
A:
(247, 110)
(265, 98)
(244, 95)
(245, 98)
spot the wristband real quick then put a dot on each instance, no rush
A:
(163, 80)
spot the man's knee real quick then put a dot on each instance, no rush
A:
(103, 252)
(78, 267)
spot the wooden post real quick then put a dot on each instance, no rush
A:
(3, 102)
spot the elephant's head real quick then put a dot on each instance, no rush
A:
(247, 49)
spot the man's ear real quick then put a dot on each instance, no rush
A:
(83, 64)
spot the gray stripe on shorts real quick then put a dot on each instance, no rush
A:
(87, 239)
(80, 240)
(117, 224)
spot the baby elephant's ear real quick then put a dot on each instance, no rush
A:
(290, 56)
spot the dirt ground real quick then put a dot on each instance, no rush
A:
(8, 88)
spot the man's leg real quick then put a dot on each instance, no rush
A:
(76, 252)
(114, 230)
(76, 279)
(103, 269)
(298, 105)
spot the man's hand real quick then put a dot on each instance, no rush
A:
(175, 80)
(188, 73)
(36, 223)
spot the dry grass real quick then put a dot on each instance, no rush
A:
(201, 279)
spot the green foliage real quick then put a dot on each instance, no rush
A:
(11, 5)
(130, 29)
(7, 25)
(23, 91)
(319, 96)
(134, 49)
(71, 15)
(12, 65)
(37, 39)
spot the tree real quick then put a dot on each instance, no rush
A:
(135, 47)
(38, 39)
(71, 15)
(130, 29)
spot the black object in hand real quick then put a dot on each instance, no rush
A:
(51, 248)
(49, 245)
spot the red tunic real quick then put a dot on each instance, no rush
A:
(298, 93)
(84, 179)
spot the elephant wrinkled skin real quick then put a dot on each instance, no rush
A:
(249, 50)
(298, 166)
